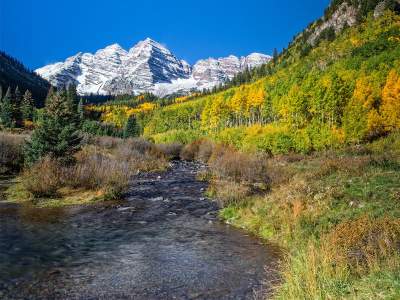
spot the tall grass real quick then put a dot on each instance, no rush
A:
(234, 175)
(337, 214)
(104, 164)
(11, 152)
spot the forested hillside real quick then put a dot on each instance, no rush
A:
(13, 74)
(343, 91)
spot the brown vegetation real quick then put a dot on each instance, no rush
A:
(11, 147)
(104, 164)
(234, 175)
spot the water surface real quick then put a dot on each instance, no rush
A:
(163, 242)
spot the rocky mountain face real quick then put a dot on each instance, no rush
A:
(147, 67)
(346, 13)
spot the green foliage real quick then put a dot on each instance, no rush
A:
(177, 136)
(131, 128)
(185, 116)
(6, 110)
(27, 106)
(100, 129)
(57, 135)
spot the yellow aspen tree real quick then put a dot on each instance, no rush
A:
(390, 106)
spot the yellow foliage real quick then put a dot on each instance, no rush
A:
(390, 107)
(119, 114)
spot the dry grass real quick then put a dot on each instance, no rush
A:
(105, 165)
(229, 193)
(363, 243)
(200, 150)
(11, 152)
(233, 175)
(171, 151)
(44, 178)
(228, 164)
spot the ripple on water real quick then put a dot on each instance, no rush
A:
(146, 248)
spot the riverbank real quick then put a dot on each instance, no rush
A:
(101, 172)
(337, 214)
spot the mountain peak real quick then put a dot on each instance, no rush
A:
(146, 66)
(115, 46)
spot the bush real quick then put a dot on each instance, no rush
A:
(200, 150)
(44, 178)
(227, 163)
(229, 193)
(95, 170)
(171, 151)
(364, 243)
(107, 168)
(11, 152)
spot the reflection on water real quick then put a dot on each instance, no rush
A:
(163, 243)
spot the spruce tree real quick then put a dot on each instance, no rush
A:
(81, 111)
(17, 116)
(57, 135)
(27, 106)
(131, 128)
(275, 56)
(6, 110)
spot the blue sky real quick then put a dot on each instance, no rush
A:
(40, 32)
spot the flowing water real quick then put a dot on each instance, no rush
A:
(163, 242)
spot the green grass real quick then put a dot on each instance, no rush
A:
(324, 197)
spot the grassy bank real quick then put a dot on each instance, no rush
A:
(336, 214)
(102, 171)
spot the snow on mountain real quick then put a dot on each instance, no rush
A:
(146, 67)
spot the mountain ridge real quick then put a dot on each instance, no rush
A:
(146, 67)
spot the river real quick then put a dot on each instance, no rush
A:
(164, 241)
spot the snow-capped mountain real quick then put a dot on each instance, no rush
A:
(147, 67)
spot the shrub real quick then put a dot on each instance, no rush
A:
(227, 163)
(11, 152)
(44, 178)
(362, 244)
(171, 151)
(198, 150)
(107, 168)
(229, 193)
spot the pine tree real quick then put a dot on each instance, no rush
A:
(27, 106)
(81, 111)
(131, 128)
(275, 56)
(57, 135)
(6, 110)
(72, 96)
(17, 115)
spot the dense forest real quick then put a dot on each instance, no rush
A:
(343, 91)
(13, 73)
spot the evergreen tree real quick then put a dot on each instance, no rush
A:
(131, 128)
(275, 56)
(17, 115)
(81, 111)
(57, 135)
(6, 110)
(72, 96)
(27, 106)
(1, 93)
